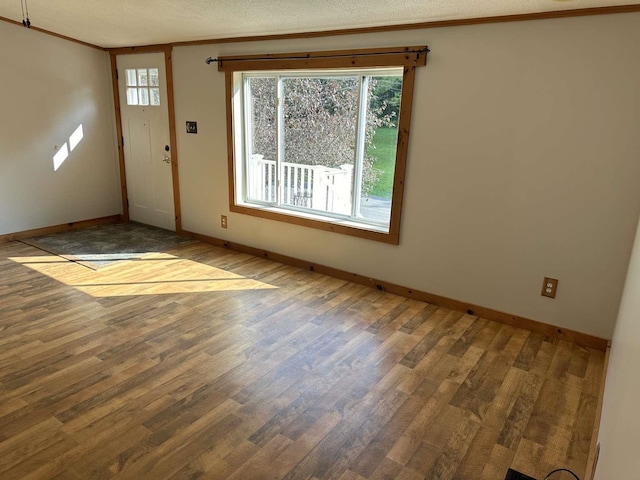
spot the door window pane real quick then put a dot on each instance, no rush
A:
(132, 96)
(155, 96)
(143, 96)
(153, 77)
(142, 77)
(131, 77)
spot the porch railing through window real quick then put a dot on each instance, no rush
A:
(314, 187)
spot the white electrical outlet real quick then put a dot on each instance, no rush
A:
(549, 287)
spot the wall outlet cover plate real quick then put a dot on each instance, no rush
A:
(515, 475)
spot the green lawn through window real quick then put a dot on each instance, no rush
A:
(384, 154)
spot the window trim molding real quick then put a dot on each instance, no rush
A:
(407, 57)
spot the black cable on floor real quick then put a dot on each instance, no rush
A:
(561, 470)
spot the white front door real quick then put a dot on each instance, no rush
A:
(142, 82)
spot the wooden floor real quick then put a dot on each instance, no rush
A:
(205, 363)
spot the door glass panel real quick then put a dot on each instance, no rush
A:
(142, 77)
(153, 77)
(131, 77)
(155, 96)
(132, 96)
(144, 96)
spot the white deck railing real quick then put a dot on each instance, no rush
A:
(311, 186)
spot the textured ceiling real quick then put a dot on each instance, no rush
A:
(117, 23)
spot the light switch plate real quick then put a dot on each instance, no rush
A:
(192, 127)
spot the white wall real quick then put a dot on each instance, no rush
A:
(49, 86)
(620, 426)
(523, 163)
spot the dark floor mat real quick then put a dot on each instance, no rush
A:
(102, 245)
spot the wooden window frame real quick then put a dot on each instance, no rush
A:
(406, 57)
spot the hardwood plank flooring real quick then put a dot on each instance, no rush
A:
(204, 363)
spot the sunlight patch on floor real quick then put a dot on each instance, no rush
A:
(155, 274)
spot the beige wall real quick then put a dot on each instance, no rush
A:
(50, 86)
(620, 427)
(523, 163)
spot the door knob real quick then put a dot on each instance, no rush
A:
(166, 159)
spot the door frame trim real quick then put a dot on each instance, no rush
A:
(168, 65)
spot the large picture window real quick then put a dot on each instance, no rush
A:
(325, 146)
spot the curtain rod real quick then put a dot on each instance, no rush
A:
(210, 60)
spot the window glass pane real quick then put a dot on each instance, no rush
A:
(320, 120)
(131, 77)
(262, 145)
(143, 94)
(383, 109)
(329, 137)
(142, 77)
(323, 142)
(153, 77)
(132, 96)
(155, 96)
